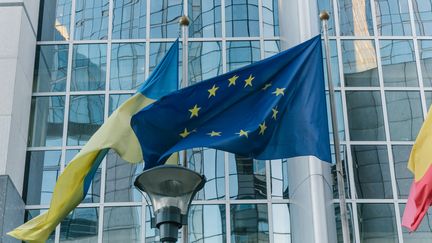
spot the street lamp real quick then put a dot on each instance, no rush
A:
(171, 190)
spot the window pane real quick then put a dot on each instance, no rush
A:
(33, 213)
(270, 18)
(328, 6)
(54, 20)
(359, 63)
(207, 223)
(249, 223)
(404, 177)
(393, 17)
(127, 66)
(423, 234)
(205, 16)
(81, 225)
(86, 115)
(339, 115)
(371, 171)
(334, 62)
(164, 15)
(271, 48)
(339, 222)
(281, 223)
(116, 100)
(152, 234)
(241, 18)
(50, 68)
(158, 51)
(398, 63)
(377, 223)
(122, 224)
(129, 20)
(247, 178)
(428, 96)
(405, 115)
(423, 16)
(88, 67)
(279, 178)
(355, 17)
(365, 116)
(42, 170)
(46, 121)
(91, 19)
(242, 53)
(205, 61)
(346, 175)
(425, 49)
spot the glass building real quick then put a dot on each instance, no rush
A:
(90, 56)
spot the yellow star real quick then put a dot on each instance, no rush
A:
(263, 127)
(279, 91)
(248, 81)
(232, 80)
(242, 133)
(212, 91)
(185, 133)
(266, 86)
(194, 111)
(214, 134)
(275, 111)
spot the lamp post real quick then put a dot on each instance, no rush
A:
(171, 190)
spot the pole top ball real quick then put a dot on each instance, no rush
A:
(324, 15)
(184, 21)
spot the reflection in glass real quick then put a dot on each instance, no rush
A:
(88, 67)
(241, 18)
(151, 234)
(359, 63)
(271, 48)
(405, 115)
(122, 224)
(205, 61)
(428, 96)
(50, 68)
(247, 178)
(46, 121)
(242, 53)
(127, 66)
(33, 213)
(346, 175)
(210, 163)
(116, 100)
(423, 234)
(279, 178)
(120, 177)
(164, 15)
(355, 17)
(249, 223)
(43, 167)
(404, 177)
(91, 19)
(339, 115)
(365, 116)
(158, 51)
(281, 223)
(398, 63)
(54, 20)
(393, 17)
(425, 49)
(207, 223)
(339, 223)
(70, 154)
(81, 225)
(371, 171)
(377, 223)
(129, 19)
(86, 115)
(328, 6)
(334, 62)
(205, 16)
(270, 18)
(423, 16)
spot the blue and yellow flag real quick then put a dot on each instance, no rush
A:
(115, 133)
(272, 109)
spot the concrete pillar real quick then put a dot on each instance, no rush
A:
(11, 209)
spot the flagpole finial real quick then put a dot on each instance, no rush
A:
(184, 20)
(324, 15)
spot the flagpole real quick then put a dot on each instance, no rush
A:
(324, 16)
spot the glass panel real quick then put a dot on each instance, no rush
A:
(120, 177)
(247, 178)
(423, 234)
(281, 223)
(46, 121)
(88, 67)
(86, 115)
(158, 51)
(208, 162)
(365, 116)
(405, 115)
(425, 49)
(207, 223)
(152, 234)
(355, 17)
(359, 63)
(50, 68)
(398, 63)
(42, 170)
(91, 19)
(70, 154)
(270, 18)
(129, 19)
(334, 62)
(116, 100)
(279, 178)
(122, 224)
(346, 175)
(241, 18)
(80, 226)
(339, 115)
(393, 17)
(428, 96)
(249, 223)
(205, 17)
(242, 53)
(377, 223)
(127, 66)
(271, 48)
(328, 6)
(54, 20)
(164, 15)
(423, 16)
(371, 171)
(33, 213)
(205, 61)
(404, 177)
(339, 223)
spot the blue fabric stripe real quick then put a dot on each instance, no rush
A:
(89, 177)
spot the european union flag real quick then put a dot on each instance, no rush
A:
(271, 109)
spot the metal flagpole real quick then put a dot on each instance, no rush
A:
(324, 16)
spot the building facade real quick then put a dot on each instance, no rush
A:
(68, 64)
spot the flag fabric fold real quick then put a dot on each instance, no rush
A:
(116, 133)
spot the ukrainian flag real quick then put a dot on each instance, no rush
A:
(117, 134)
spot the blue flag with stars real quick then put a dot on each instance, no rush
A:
(271, 109)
